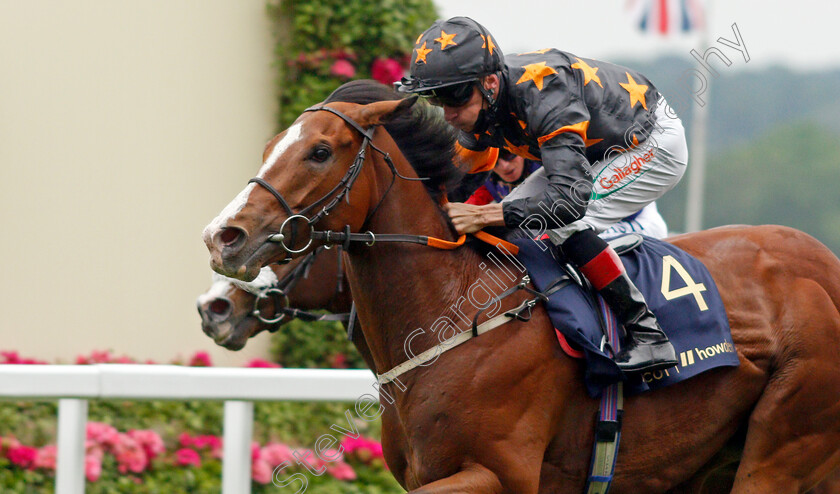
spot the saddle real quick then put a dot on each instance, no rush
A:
(678, 288)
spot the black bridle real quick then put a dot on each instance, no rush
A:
(337, 193)
(279, 293)
(341, 189)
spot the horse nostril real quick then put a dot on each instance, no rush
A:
(219, 306)
(230, 236)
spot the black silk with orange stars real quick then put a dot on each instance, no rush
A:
(566, 111)
(554, 99)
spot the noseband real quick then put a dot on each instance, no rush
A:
(278, 293)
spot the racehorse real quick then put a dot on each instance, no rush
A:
(507, 411)
(233, 311)
(227, 312)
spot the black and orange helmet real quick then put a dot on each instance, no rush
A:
(455, 51)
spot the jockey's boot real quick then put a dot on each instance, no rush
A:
(646, 347)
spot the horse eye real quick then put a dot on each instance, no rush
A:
(321, 154)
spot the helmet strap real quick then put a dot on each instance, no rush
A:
(486, 116)
(488, 95)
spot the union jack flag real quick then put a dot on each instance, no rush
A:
(667, 16)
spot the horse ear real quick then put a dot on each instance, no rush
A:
(384, 111)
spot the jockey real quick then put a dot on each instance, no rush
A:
(511, 170)
(607, 146)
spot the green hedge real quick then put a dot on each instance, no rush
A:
(313, 35)
(322, 345)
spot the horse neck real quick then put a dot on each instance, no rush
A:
(313, 292)
(323, 287)
(399, 287)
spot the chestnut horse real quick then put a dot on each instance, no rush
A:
(312, 282)
(227, 308)
(507, 411)
(227, 316)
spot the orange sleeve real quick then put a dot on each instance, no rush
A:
(475, 161)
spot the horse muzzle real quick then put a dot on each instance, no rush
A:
(232, 253)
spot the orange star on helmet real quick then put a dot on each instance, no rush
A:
(446, 39)
(485, 44)
(421, 53)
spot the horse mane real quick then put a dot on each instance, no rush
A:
(422, 134)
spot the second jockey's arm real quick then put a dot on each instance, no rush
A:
(470, 218)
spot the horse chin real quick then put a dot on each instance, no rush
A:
(249, 268)
(238, 335)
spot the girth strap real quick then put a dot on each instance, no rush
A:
(464, 336)
(608, 428)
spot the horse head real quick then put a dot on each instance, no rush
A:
(316, 170)
(232, 311)
(230, 307)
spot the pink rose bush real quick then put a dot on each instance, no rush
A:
(343, 64)
(150, 441)
(14, 358)
(260, 363)
(343, 69)
(93, 464)
(186, 457)
(366, 450)
(22, 456)
(133, 452)
(209, 443)
(111, 453)
(386, 70)
(198, 359)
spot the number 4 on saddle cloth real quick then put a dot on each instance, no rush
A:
(679, 290)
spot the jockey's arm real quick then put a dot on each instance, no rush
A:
(567, 193)
(470, 218)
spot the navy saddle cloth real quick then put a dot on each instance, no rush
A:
(679, 290)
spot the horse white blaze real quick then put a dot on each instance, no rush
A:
(292, 136)
(266, 279)
(230, 211)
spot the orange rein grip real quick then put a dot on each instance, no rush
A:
(475, 161)
(490, 239)
(484, 237)
(445, 244)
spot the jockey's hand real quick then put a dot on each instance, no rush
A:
(469, 218)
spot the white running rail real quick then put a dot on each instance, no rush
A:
(74, 385)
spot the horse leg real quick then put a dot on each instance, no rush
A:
(718, 474)
(474, 479)
(793, 439)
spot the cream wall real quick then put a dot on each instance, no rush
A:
(125, 126)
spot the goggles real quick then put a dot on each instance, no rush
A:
(455, 95)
